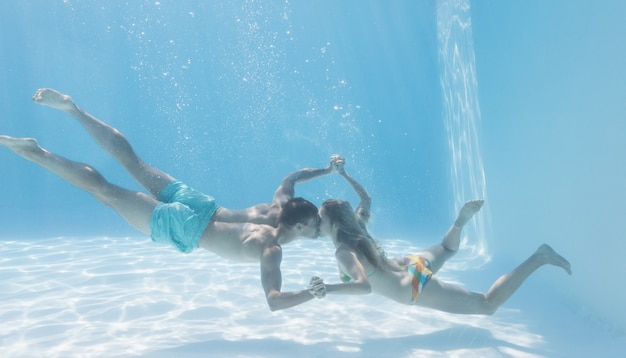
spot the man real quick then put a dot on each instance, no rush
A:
(177, 214)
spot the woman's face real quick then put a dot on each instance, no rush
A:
(325, 226)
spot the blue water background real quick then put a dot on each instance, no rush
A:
(230, 96)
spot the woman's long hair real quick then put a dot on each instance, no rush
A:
(352, 233)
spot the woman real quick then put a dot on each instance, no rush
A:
(411, 280)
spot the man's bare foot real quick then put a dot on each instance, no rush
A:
(467, 211)
(18, 145)
(549, 256)
(55, 99)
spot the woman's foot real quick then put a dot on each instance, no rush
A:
(467, 211)
(452, 239)
(549, 256)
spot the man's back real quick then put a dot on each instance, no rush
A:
(238, 241)
(262, 214)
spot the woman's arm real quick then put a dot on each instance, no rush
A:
(348, 262)
(365, 204)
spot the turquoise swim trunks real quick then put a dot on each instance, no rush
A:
(181, 216)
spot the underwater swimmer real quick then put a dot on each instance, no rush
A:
(178, 215)
(365, 268)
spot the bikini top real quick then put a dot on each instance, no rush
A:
(344, 277)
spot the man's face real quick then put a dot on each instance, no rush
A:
(312, 228)
(324, 228)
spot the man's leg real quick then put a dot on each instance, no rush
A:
(440, 253)
(136, 208)
(455, 299)
(110, 139)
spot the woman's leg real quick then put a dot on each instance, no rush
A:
(455, 299)
(110, 139)
(440, 253)
(136, 208)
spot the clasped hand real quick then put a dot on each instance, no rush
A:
(337, 162)
(317, 287)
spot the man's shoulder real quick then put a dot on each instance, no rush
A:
(272, 252)
(266, 214)
(264, 235)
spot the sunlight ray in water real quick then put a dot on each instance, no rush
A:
(462, 118)
(127, 296)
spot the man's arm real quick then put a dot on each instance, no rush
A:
(286, 190)
(271, 279)
(268, 214)
(363, 211)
